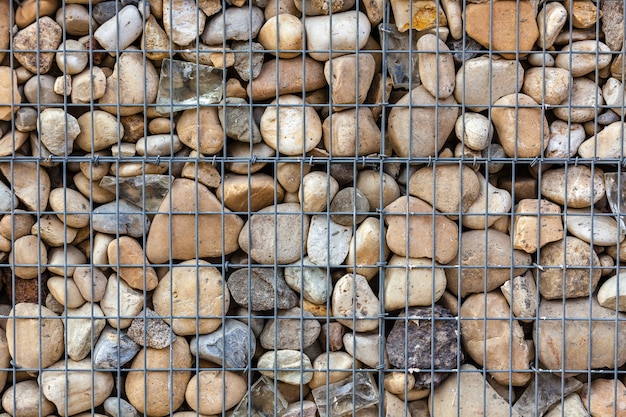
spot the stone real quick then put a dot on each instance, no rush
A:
(70, 206)
(612, 293)
(482, 249)
(504, 27)
(316, 191)
(276, 234)
(521, 294)
(426, 330)
(194, 294)
(594, 227)
(120, 217)
(574, 186)
(154, 38)
(30, 184)
(235, 23)
(468, 394)
(232, 345)
(565, 139)
(149, 330)
(322, 7)
(474, 130)
(83, 328)
(9, 93)
(248, 66)
(550, 21)
(183, 85)
(51, 230)
(103, 11)
(157, 145)
(327, 242)
(420, 15)
(189, 235)
(118, 407)
(553, 389)
(25, 398)
(331, 367)
(260, 187)
(183, 22)
(364, 347)
(7, 201)
(288, 38)
(572, 325)
(493, 340)
(535, 224)
(411, 225)
(121, 30)
(613, 95)
(481, 81)
(332, 336)
(584, 99)
(585, 57)
(354, 304)
(25, 117)
(300, 409)
(410, 126)
(244, 150)
(613, 24)
(75, 380)
(76, 19)
(159, 393)
(397, 382)
(264, 398)
(261, 289)
(237, 122)
(350, 32)
(376, 184)
(547, 85)
(306, 278)
(351, 132)
(27, 251)
(127, 258)
(271, 364)
(283, 126)
(65, 292)
(436, 66)
(346, 396)
(604, 397)
(213, 392)
(412, 282)
(455, 188)
(489, 199)
(523, 131)
(113, 349)
(571, 406)
(119, 301)
(364, 251)
(584, 14)
(43, 35)
(606, 144)
(98, 129)
(289, 73)
(293, 329)
(347, 86)
(349, 200)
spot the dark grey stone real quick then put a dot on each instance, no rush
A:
(112, 351)
(264, 289)
(412, 349)
(120, 217)
(247, 65)
(118, 407)
(104, 11)
(232, 345)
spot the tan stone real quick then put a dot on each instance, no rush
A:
(348, 86)
(547, 85)
(205, 172)
(484, 248)
(98, 130)
(43, 35)
(289, 76)
(332, 365)
(156, 41)
(550, 20)
(535, 224)
(120, 303)
(583, 188)
(127, 257)
(70, 206)
(605, 397)
(65, 291)
(52, 231)
(584, 15)
(5, 26)
(436, 66)
(190, 289)
(212, 392)
(289, 175)
(29, 257)
(417, 14)
(242, 193)
(91, 282)
(364, 252)
(412, 282)
(489, 206)
(201, 130)
(583, 102)
(25, 399)
(10, 97)
(411, 234)
(351, 132)
(31, 183)
(503, 26)
(583, 57)
(568, 259)
(493, 340)
(605, 144)
(178, 226)
(159, 393)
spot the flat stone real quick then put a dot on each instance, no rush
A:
(597, 229)
(585, 56)
(235, 23)
(113, 349)
(248, 67)
(120, 300)
(354, 304)
(81, 331)
(25, 397)
(327, 242)
(261, 289)
(291, 329)
(505, 27)
(364, 253)
(535, 224)
(43, 35)
(364, 347)
(436, 66)
(521, 294)
(261, 188)
(120, 217)
(275, 361)
(606, 144)
(121, 30)
(30, 184)
(232, 345)
(150, 332)
(572, 406)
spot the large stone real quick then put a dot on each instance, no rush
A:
(232, 345)
(213, 392)
(291, 329)
(120, 217)
(127, 258)
(178, 228)
(436, 66)
(575, 186)
(31, 183)
(412, 282)
(579, 334)
(594, 227)
(455, 188)
(309, 280)
(182, 20)
(605, 397)
(364, 254)
(354, 304)
(43, 35)
(328, 242)
(83, 327)
(284, 364)
(9, 94)
(535, 224)
(261, 188)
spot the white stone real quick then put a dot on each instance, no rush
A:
(608, 295)
(613, 93)
(71, 57)
(350, 32)
(317, 191)
(572, 407)
(120, 301)
(292, 361)
(57, 131)
(583, 103)
(597, 228)
(127, 23)
(354, 301)
(328, 242)
(7, 199)
(364, 348)
(83, 327)
(182, 20)
(154, 145)
(565, 138)
(493, 200)
(550, 20)
(474, 130)
(583, 57)
(521, 294)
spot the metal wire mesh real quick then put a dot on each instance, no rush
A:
(305, 208)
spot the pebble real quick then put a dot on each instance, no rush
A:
(275, 237)
(547, 85)
(354, 303)
(30, 185)
(608, 295)
(521, 294)
(327, 242)
(28, 250)
(113, 349)
(585, 97)
(338, 364)
(474, 130)
(550, 22)
(110, 36)
(454, 192)
(316, 191)
(595, 227)
(584, 188)
(178, 233)
(275, 361)
(565, 139)
(604, 397)
(183, 22)
(237, 121)
(584, 316)
(236, 23)
(290, 71)
(155, 392)
(155, 145)
(119, 217)
(43, 35)
(232, 345)
(410, 129)
(536, 223)
(364, 250)
(412, 282)
(350, 32)
(8, 93)
(432, 334)
(348, 86)
(490, 199)
(364, 347)
(606, 144)
(261, 289)
(24, 398)
(98, 130)
(83, 332)
(289, 38)
(436, 66)
(118, 407)
(307, 279)
(65, 291)
(7, 201)
(213, 392)
(613, 94)
(119, 301)
(347, 201)
(136, 270)
(191, 289)
(293, 329)
(583, 57)
(374, 184)
(154, 334)
(76, 20)
(352, 132)
(260, 187)
(200, 129)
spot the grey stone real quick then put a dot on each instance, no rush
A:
(118, 407)
(104, 11)
(264, 289)
(113, 350)
(328, 242)
(311, 281)
(155, 332)
(120, 217)
(248, 66)
(26, 119)
(613, 24)
(236, 23)
(232, 345)
(236, 120)
(296, 329)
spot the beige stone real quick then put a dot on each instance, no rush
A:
(521, 294)
(550, 20)
(436, 66)
(417, 240)
(176, 224)
(31, 183)
(127, 258)
(417, 14)
(92, 190)
(582, 103)
(583, 187)
(65, 291)
(352, 132)
(290, 174)
(70, 206)
(288, 72)
(547, 85)
(29, 257)
(347, 86)
(9, 94)
(25, 399)
(583, 57)
(99, 130)
(155, 39)
(412, 282)
(242, 193)
(605, 144)
(328, 368)
(83, 327)
(594, 227)
(120, 302)
(159, 393)
(91, 282)
(350, 32)
(484, 248)
(317, 191)
(397, 382)
(52, 231)
(63, 260)
(584, 14)
(288, 38)
(572, 406)
(354, 301)
(205, 172)
(376, 184)
(200, 129)
(608, 295)
(535, 224)
(211, 392)
(490, 205)
(364, 252)
(43, 35)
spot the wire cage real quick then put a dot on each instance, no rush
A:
(312, 208)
